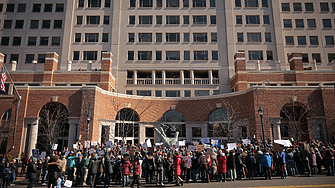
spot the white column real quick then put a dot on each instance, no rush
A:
(33, 136)
(72, 135)
(182, 76)
(278, 67)
(210, 75)
(33, 67)
(111, 134)
(192, 76)
(14, 63)
(275, 121)
(314, 66)
(163, 76)
(89, 66)
(258, 65)
(69, 66)
(135, 76)
(153, 75)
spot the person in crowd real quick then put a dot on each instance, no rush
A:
(303, 155)
(319, 160)
(39, 167)
(78, 170)
(177, 169)
(126, 166)
(137, 170)
(100, 170)
(169, 168)
(13, 166)
(204, 167)
(54, 171)
(45, 170)
(24, 163)
(194, 167)
(214, 167)
(222, 167)
(250, 162)
(2, 167)
(84, 169)
(118, 171)
(259, 158)
(231, 165)
(70, 165)
(282, 164)
(92, 170)
(6, 173)
(290, 162)
(149, 168)
(109, 163)
(62, 163)
(239, 163)
(328, 155)
(266, 164)
(312, 161)
(159, 165)
(32, 172)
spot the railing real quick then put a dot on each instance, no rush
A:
(144, 81)
(158, 81)
(201, 81)
(187, 80)
(130, 81)
(172, 81)
(216, 81)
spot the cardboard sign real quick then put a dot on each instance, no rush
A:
(188, 161)
(285, 143)
(277, 147)
(192, 148)
(231, 146)
(205, 140)
(200, 147)
(36, 153)
(87, 144)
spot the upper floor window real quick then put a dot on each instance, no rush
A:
(59, 7)
(146, 3)
(172, 37)
(297, 7)
(94, 3)
(22, 7)
(199, 3)
(238, 19)
(144, 55)
(48, 7)
(145, 37)
(311, 23)
(81, 3)
(186, 3)
(107, 3)
(19, 24)
(106, 20)
(285, 7)
(333, 6)
(131, 20)
(7, 24)
(172, 3)
(324, 7)
(251, 3)
(252, 20)
(145, 19)
(58, 24)
(327, 24)
(46, 24)
(132, 3)
(255, 55)
(200, 37)
(309, 7)
(212, 3)
(238, 3)
(266, 19)
(254, 37)
(299, 23)
(200, 55)
(5, 41)
(1, 7)
(92, 20)
(10, 7)
(172, 55)
(91, 37)
(199, 19)
(265, 3)
(90, 55)
(34, 24)
(36, 7)
(287, 23)
(172, 19)
(213, 19)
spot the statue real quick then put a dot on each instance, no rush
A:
(166, 140)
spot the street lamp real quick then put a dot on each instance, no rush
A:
(260, 111)
(88, 124)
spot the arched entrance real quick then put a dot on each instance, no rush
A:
(218, 125)
(174, 121)
(4, 130)
(53, 127)
(294, 122)
(126, 126)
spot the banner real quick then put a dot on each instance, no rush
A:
(192, 148)
(205, 140)
(188, 161)
(231, 146)
(195, 143)
(109, 143)
(246, 142)
(123, 150)
(200, 147)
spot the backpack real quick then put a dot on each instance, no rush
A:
(330, 153)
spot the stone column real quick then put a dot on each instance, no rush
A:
(210, 76)
(33, 136)
(34, 64)
(69, 66)
(258, 65)
(111, 134)
(13, 68)
(313, 65)
(189, 135)
(192, 76)
(163, 76)
(89, 66)
(141, 135)
(153, 75)
(72, 135)
(275, 121)
(278, 67)
(135, 76)
(182, 76)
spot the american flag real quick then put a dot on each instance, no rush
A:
(3, 80)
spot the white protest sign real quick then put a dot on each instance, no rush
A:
(123, 150)
(101, 152)
(43, 154)
(68, 183)
(74, 146)
(246, 141)
(94, 143)
(159, 144)
(109, 143)
(231, 146)
(148, 143)
(54, 146)
(87, 144)
(285, 143)
(192, 148)
(205, 140)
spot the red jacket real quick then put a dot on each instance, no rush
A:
(126, 168)
(177, 165)
(325, 155)
(222, 167)
(137, 167)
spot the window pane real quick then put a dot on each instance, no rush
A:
(130, 55)
(159, 3)
(265, 3)
(212, 3)
(289, 40)
(36, 8)
(79, 20)
(326, 23)
(199, 37)
(90, 20)
(19, 24)
(131, 37)
(252, 20)
(186, 3)
(77, 37)
(187, 55)
(46, 24)
(324, 7)
(251, 3)
(94, 3)
(269, 55)
(41, 58)
(186, 37)
(132, 3)
(309, 7)
(311, 23)
(16, 41)
(29, 58)
(144, 55)
(159, 55)
(145, 19)
(104, 37)
(314, 40)
(7, 24)
(331, 57)
(106, 20)
(158, 20)
(59, 7)
(5, 41)
(255, 55)
(215, 55)
(44, 41)
(199, 3)
(329, 40)
(91, 37)
(172, 94)
(131, 20)
(268, 37)
(75, 55)
(172, 19)
(297, 7)
(214, 37)
(172, 3)
(199, 20)
(305, 58)
(34, 24)
(198, 93)
(186, 20)
(172, 37)
(32, 41)
(10, 7)
(254, 37)
(107, 3)
(213, 19)
(285, 6)
(81, 3)
(159, 37)
(144, 37)
(238, 19)
(58, 24)
(301, 40)
(14, 57)
(266, 19)
(90, 55)
(200, 55)
(21, 8)
(287, 23)
(240, 37)
(55, 41)
(299, 23)
(172, 55)
(143, 93)
(237, 3)
(145, 3)
(316, 57)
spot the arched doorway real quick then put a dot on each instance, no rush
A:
(294, 122)
(126, 126)
(53, 127)
(218, 125)
(174, 121)
(4, 130)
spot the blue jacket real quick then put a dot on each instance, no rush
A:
(282, 155)
(71, 163)
(266, 161)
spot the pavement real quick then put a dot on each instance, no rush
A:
(299, 181)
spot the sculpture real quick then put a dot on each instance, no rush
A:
(166, 140)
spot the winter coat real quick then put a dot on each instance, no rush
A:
(126, 168)
(13, 166)
(101, 165)
(2, 167)
(169, 166)
(202, 159)
(62, 164)
(137, 166)
(45, 166)
(159, 162)
(5, 173)
(195, 163)
(312, 158)
(238, 160)
(231, 162)
(177, 165)
(266, 161)
(214, 168)
(71, 163)
(259, 157)
(304, 155)
(109, 163)
(290, 156)
(325, 154)
(281, 158)
(84, 163)
(32, 171)
(250, 162)
(93, 166)
(149, 163)
(318, 157)
(222, 164)
(54, 171)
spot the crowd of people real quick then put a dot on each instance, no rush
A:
(159, 165)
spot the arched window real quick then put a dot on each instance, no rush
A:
(127, 124)
(218, 123)
(174, 121)
(4, 130)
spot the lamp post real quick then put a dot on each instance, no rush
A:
(260, 111)
(88, 124)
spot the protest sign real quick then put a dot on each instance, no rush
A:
(36, 153)
(123, 150)
(200, 147)
(91, 151)
(205, 146)
(148, 143)
(101, 152)
(188, 161)
(210, 151)
(109, 143)
(54, 146)
(285, 143)
(68, 183)
(277, 147)
(231, 146)
(132, 152)
(87, 144)
(159, 144)
(192, 148)
(74, 146)
(195, 143)
(43, 154)
(94, 143)
(205, 140)
(246, 142)
(222, 146)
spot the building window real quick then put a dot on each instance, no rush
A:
(145, 20)
(213, 20)
(14, 57)
(186, 20)
(331, 57)
(90, 55)
(212, 3)
(301, 40)
(159, 3)
(41, 58)
(107, 3)
(329, 40)
(240, 37)
(215, 55)
(289, 40)
(131, 20)
(252, 20)
(255, 55)
(19, 24)
(265, 3)
(199, 37)
(145, 37)
(130, 55)
(238, 19)
(200, 55)
(172, 37)
(10, 7)
(59, 7)
(81, 3)
(44, 41)
(36, 7)
(333, 6)
(269, 55)
(297, 7)
(214, 37)
(77, 37)
(131, 37)
(79, 20)
(238, 3)
(316, 57)
(55, 41)
(287, 23)
(92, 20)
(158, 55)
(75, 55)
(187, 55)
(251, 3)
(30, 58)
(159, 20)
(21, 8)
(129, 92)
(268, 37)
(32, 41)
(186, 37)
(254, 37)
(198, 93)
(199, 3)
(144, 55)
(16, 41)
(34, 24)
(324, 7)
(91, 37)
(146, 3)
(144, 93)
(46, 24)
(305, 58)
(172, 3)
(266, 19)
(199, 20)
(132, 3)
(285, 7)
(172, 55)
(313, 40)
(309, 7)
(326, 24)
(311, 23)
(299, 23)
(48, 7)
(187, 93)
(58, 24)
(106, 20)
(105, 37)
(7, 24)
(186, 3)
(1, 7)
(159, 37)
(5, 41)
(172, 93)
(94, 3)
(172, 19)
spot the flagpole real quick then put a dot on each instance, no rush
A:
(6, 70)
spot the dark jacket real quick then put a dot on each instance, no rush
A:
(149, 163)
(32, 171)
(13, 167)
(250, 162)
(231, 161)
(54, 171)
(169, 166)
(160, 162)
(93, 166)
(2, 167)
(238, 160)
(5, 173)
(195, 163)
(109, 163)
(45, 166)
